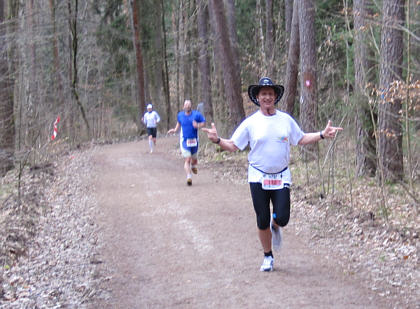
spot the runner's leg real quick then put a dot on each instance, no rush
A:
(194, 162)
(187, 165)
(261, 201)
(154, 135)
(281, 206)
(186, 153)
(151, 143)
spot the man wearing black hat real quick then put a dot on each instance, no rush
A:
(269, 133)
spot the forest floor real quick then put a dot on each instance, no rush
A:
(114, 226)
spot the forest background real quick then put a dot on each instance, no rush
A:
(90, 68)
(97, 64)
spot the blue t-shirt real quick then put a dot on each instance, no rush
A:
(186, 121)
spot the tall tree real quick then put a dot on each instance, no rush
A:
(176, 26)
(7, 128)
(390, 131)
(292, 69)
(233, 35)
(288, 15)
(308, 60)
(165, 71)
(187, 48)
(364, 74)
(230, 75)
(269, 37)
(56, 62)
(260, 40)
(32, 63)
(73, 9)
(414, 43)
(204, 60)
(139, 60)
(151, 25)
(195, 52)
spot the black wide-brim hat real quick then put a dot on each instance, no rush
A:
(253, 90)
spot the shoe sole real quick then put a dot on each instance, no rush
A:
(194, 170)
(266, 270)
(189, 182)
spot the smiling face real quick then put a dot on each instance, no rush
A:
(187, 106)
(266, 97)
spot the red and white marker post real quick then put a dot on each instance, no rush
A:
(55, 128)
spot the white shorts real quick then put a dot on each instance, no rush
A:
(186, 153)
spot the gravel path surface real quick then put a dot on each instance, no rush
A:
(117, 227)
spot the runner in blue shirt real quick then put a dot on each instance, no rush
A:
(190, 121)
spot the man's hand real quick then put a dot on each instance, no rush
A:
(211, 133)
(330, 131)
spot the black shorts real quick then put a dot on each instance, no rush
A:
(151, 131)
(261, 200)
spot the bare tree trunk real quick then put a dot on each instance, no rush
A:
(288, 12)
(55, 43)
(415, 44)
(73, 14)
(204, 60)
(220, 109)
(308, 85)
(364, 74)
(176, 20)
(232, 83)
(390, 131)
(58, 95)
(269, 38)
(139, 60)
(155, 78)
(165, 71)
(233, 36)
(288, 103)
(186, 57)
(195, 52)
(31, 87)
(262, 56)
(7, 126)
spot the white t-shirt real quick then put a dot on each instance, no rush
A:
(269, 138)
(151, 119)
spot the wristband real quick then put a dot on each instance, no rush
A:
(320, 134)
(218, 140)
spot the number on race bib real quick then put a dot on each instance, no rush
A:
(272, 182)
(191, 142)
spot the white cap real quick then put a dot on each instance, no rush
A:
(149, 106)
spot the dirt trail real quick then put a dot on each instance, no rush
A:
(173, 246)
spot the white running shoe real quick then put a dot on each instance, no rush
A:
(267, 264)
(194, 169)
(276, 237)
(189, 180)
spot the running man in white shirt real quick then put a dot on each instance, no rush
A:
(151, 119)
(269, 133)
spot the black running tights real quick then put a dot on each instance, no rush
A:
(281, 205)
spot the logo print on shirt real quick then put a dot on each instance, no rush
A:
(284, 139)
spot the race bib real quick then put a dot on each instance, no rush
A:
(272, 181)
(191, 142)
